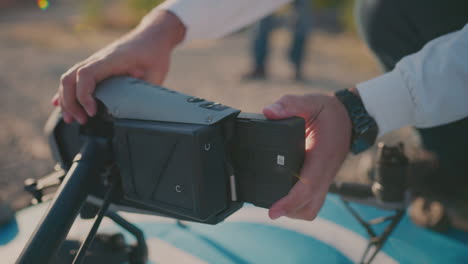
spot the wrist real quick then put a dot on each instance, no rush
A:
(162, 27)
(345, 120)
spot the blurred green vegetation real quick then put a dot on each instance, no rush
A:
(344, 8)
(327, 3)
(121, 13)
(141, 7)
(91, 11)
(347, 16)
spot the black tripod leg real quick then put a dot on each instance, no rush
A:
(139, 254)
(92, 233)
(56, 223)
(380, 240)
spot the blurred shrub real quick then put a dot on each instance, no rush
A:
(92, 11)
(344, 9)
(327, 3)
(122, 13)
(140, 7)
(347, 16)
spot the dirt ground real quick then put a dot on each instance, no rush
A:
(36, 47)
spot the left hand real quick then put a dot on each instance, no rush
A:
(328, 136)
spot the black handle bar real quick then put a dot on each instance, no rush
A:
(57, 221)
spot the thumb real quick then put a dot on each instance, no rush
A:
(287, 106)
(275, 111)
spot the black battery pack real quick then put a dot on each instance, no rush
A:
(267, 157)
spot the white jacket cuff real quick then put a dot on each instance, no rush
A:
(211, 19)
(387, 99)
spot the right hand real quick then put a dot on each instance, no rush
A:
(143, 53)
(328, 138)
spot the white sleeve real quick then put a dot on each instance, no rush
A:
(208, 19)
(426, 89)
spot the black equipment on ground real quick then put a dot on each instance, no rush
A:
(387, 190)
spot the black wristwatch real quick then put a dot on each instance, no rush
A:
(365, 129)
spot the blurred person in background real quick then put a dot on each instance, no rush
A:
(260, 46)
(422, 44)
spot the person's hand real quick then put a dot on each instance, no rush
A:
(143, 53)
(328, 136)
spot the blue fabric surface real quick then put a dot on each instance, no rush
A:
(8, 232)
(254, 242)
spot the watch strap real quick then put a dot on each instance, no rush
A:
(364, 128)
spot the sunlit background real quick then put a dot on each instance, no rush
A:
(40, 40)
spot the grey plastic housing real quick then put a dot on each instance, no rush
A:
(130, 98)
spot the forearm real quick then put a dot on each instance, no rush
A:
(426, 89)
(208, 19)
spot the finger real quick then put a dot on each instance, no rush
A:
(90, 74)
(55, 100)
(137, 73)
(283, 108)
(297, 197)
(85, 85)
(66, 80)
(156, 78)
(68, 99)
(310, 211)
(313, 180)
(292, 105)
(66, 116)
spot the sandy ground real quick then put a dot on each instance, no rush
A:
(36, 47)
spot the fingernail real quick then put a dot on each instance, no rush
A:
(276, 108)
(91, 109)
(55, 100)
(277, 214)
(66, 117)
(81, 120)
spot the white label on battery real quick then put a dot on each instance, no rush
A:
(280, 160)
